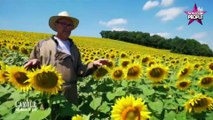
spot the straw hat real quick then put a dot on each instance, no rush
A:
(63, 14)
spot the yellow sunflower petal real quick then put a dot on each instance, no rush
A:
(77, 117)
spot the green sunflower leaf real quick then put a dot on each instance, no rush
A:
(147, 91)
(170, 115)
(95, 103)
(104, 108)
(156, 106)
(39, 114)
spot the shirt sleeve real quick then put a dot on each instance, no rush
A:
(35, 52)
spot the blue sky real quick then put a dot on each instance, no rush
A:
(162, 17)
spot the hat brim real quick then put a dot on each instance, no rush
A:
(53, 20)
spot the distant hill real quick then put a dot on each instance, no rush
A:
(175, 45)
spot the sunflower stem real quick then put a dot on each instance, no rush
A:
(51, 107)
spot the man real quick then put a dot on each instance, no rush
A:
(61, 52)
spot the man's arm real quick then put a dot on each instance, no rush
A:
(33, 61)
(85, 70)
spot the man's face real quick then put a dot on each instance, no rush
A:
(64, 27)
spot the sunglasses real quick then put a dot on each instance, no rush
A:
(65, 24)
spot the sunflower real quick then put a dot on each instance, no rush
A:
(18, 77)
(112, 56)
(146, 59)
(111, 50)
(23, 50)
(107, 55)
(15, 47)
(129, 108)
(206, 82)
(77, 117)
(3, 72)
(111, 64)
(47, 80)
(117, 73)
(185, 59)
(2, 65)
(172, 61)
(5, 55)
(87, 60)
(183, 73)
(124, 62)
(192, 92)
(157, 73)
(152, 62)
(83, 55)
(3, 76)
(183, 84)
(134, 71)
(197, 66)
(210, 67)
(199, 103)
(137, 56)
(123, 55)
(100, 72)
(91, 58)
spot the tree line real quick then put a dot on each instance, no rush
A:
(175, 45)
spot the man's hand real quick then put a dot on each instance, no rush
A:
(34, 63)
(101, 62)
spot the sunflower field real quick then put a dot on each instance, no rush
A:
(139, 83)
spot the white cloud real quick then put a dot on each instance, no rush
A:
(199, 36)
(118, 29)
(166, 3)
(202, 42)
(113, 22)
(204, 38)
(180, 28)
(210, 44)
(150, 4)
(162, 34)
(169, 14)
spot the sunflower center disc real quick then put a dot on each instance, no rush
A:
(118, 73)
(156, 72)
(131, 113)
(110, 64)
(183, 84)
(123, 55)
(133, 71)
(21, 77)
(144, 60)
(125, 63)
(46, 80)
(201, 103)
(207, 80)
(101, 72)
(211, 66)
